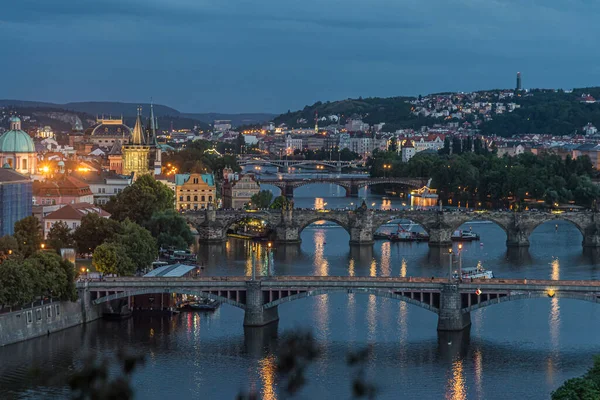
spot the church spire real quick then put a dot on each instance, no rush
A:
(138, 133)
(153, 124)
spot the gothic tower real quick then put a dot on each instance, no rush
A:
(137, 154)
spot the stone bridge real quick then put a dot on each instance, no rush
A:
(361, 224)
(352, 185)
(452, 301)
(285, 164)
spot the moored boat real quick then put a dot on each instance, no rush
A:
(477, 272)
(465, 236)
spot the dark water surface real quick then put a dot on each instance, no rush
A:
(515, 350)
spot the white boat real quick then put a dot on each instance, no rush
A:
(477, 272)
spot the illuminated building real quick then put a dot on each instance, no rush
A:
(408, 151)
(238, 190)
(17, 149)
(194, 191)
(424, 197)
(45, 132)
(141, 155)
(107, 131)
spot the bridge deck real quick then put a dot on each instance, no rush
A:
(336, 281)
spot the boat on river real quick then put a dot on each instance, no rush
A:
(202, 304)
(465, 236)
(477, 272)
(407, 235)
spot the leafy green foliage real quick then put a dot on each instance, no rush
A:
(16, 287)
(8, 247)
(112, 258)
(261, 199)
(279, 203)
(53, 276)
(139, 245)
(60, 236)
(497, 181)
(577, 389)
(93, 231)
(28, 233)
(170, 229)
(140, 200)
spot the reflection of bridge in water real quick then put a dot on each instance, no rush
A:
(361, 224)
(351, 184)
(260, 298)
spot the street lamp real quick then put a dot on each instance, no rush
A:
(386, 167)
(450, 265)
(460, 262)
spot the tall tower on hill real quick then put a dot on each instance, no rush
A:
(518, 81)
(316, 122)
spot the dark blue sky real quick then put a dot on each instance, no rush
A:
(274, 55)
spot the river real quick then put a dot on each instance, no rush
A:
(515, 350)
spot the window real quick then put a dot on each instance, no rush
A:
(196, 180)
(188, 206)
(38, 314)
(24, 163)
(47, 225)
(102, 190)
(188, 198)
(195, 206)
(195, 198)
(49, 312)
(116, 190)
(57, 310)
(180, 198)
(210, 198)
(29, 317)
(203, 198)
(74, 225)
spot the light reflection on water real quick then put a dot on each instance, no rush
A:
(520, 342)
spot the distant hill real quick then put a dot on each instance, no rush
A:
(236, 119)
(546, 111)
(128, 110)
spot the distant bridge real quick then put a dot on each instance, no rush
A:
(362, 223)
(352, 185)
(259, 299)
(286, 164)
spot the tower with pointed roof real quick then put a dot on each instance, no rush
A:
(137, 153)
(155, 152)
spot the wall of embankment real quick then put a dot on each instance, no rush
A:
(44, 319)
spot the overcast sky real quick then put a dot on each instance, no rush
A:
(275, 55)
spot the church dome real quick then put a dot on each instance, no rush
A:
(15, 140)
(110, 127)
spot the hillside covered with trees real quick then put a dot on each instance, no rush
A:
(541, 111)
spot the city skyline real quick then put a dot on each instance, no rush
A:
(270, 57)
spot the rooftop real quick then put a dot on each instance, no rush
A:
(173, 271)
(76, 212)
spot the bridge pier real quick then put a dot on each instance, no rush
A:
(211, 231)
(288, 191)
(451, 317)
(517, 238)
(440, 237)
(255, 314)
(287, 234)
(591, 234)
(353, 191)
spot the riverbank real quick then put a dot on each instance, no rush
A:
(44, 319)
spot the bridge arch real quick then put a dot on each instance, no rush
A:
(533, 295)
(253, 216)
(431, 305)
(411, 183)
(386, 220)
(318, 182)
(323, 217)
(121, 295)
(559, 217)
(483, 217)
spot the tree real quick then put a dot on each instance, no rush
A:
(261, 199)
(111, 258)
(577, 389)
(8, 247)
(279, 203)
(140, 200)
(54, 277)
(28, 233)
(60, 236)
(93, 231)
(170, 229)
(139, 245)
(15, 286)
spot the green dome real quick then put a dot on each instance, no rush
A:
(16, 141)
